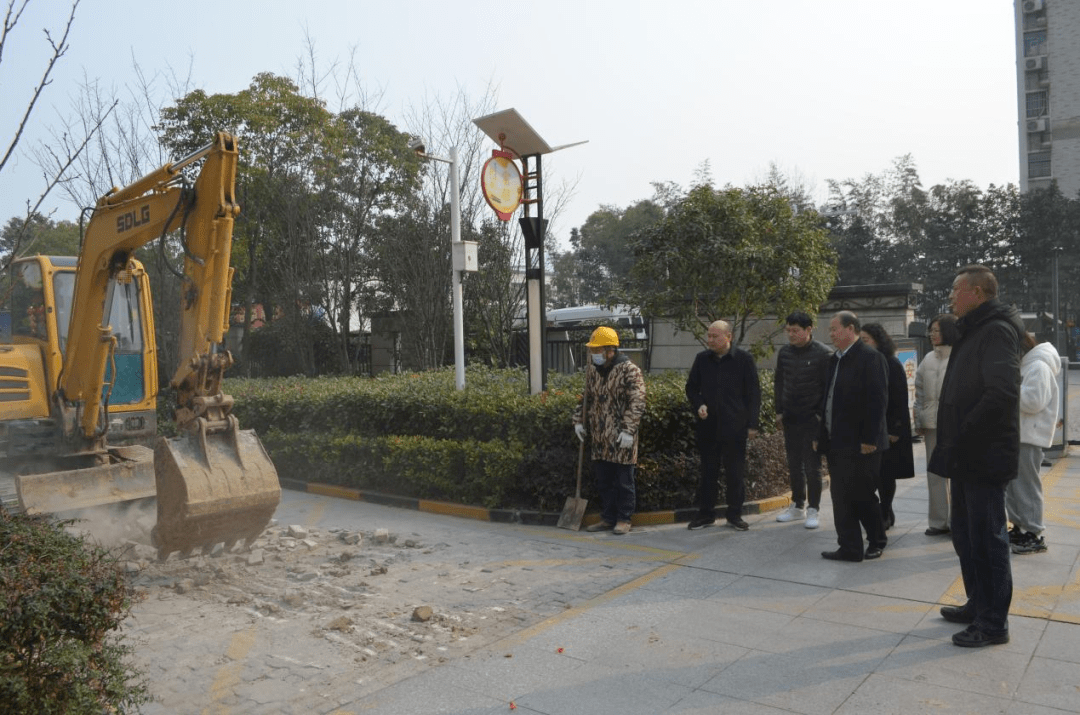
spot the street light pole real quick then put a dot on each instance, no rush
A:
(455, 240)
(455, 246)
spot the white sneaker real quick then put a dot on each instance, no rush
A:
(811, 518)
(792, 513)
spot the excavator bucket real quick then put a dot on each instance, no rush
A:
(128, 476)
(212, 488)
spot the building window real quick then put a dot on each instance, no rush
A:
(1038, 104)
(1034, 43)
(1038, 164)
(1033, 81)
(1034, 20)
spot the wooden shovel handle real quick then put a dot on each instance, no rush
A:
(584, 420)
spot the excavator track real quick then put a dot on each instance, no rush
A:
(9, 494)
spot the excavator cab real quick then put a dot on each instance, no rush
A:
(40, 472)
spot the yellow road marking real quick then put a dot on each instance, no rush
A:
(228, 676)
(607, 542)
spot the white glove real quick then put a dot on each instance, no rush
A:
(626, 440)
(579, 430)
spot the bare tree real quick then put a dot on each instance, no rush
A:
(64, 153)
(122, 146)
(494, 296)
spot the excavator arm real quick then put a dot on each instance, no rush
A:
(127, 219)
(215, 483)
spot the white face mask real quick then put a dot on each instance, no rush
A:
(598, 359)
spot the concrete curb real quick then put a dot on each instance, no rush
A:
(514, 516)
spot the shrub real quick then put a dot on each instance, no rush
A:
(61, 599)
(491, 444)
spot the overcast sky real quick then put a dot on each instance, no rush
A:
(825, 89)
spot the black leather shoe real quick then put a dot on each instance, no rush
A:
(841, 555)
(934, 531)
(957, 614)
(972, 637)
(700, 523)
(738, 524)
(874, 553)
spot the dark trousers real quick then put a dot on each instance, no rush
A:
(804, 464)
(981, 541)
(615, 482)
(731, 456)
(887, 490)
(852, 481)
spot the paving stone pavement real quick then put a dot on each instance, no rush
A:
(662, 620)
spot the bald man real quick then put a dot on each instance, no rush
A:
(725, 394)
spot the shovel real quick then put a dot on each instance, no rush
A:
(574, 509)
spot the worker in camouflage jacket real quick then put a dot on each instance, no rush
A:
(615, 401)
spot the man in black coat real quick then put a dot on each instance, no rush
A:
(852, 438)
(725, 394)
(978, 449)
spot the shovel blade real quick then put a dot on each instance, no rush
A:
(572, 514)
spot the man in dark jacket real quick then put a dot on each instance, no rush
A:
(725, 394)
(978, 449)
(798, 388)
(852, 437)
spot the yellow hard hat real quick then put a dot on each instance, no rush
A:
(603, 337)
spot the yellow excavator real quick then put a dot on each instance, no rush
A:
(78, 369)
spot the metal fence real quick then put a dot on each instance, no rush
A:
(566, 351)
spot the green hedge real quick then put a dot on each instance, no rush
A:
(61, 599)
(491, 444)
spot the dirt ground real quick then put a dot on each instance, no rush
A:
(372, 595)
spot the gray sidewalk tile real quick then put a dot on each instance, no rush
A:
(882, 577)
(641, 607)
(691, 581)
(1056, 553)
(511, 674)
(771, 594)
(885, 695)
(828, 639)
(583, 637)
(725, 622)
(1018, 707)
(435, 693)
(669, 655)
(1031, 597)
(1053, 683)
(1062, 529)
(895, 615)
(992, 671)
(814, 679)
(702, 702)
(804, 564)
(1060, 641)
(743, 552)
(600, 690)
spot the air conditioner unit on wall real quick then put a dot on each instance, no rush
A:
(1033, 64)
(1033, 5)
(1036, 125)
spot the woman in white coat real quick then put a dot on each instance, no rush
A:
(943, 333)
(1040, 402)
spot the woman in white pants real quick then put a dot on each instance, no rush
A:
(943, 333)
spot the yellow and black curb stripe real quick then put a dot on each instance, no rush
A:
(513, 516)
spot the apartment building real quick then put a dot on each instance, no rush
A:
(1048, 93)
